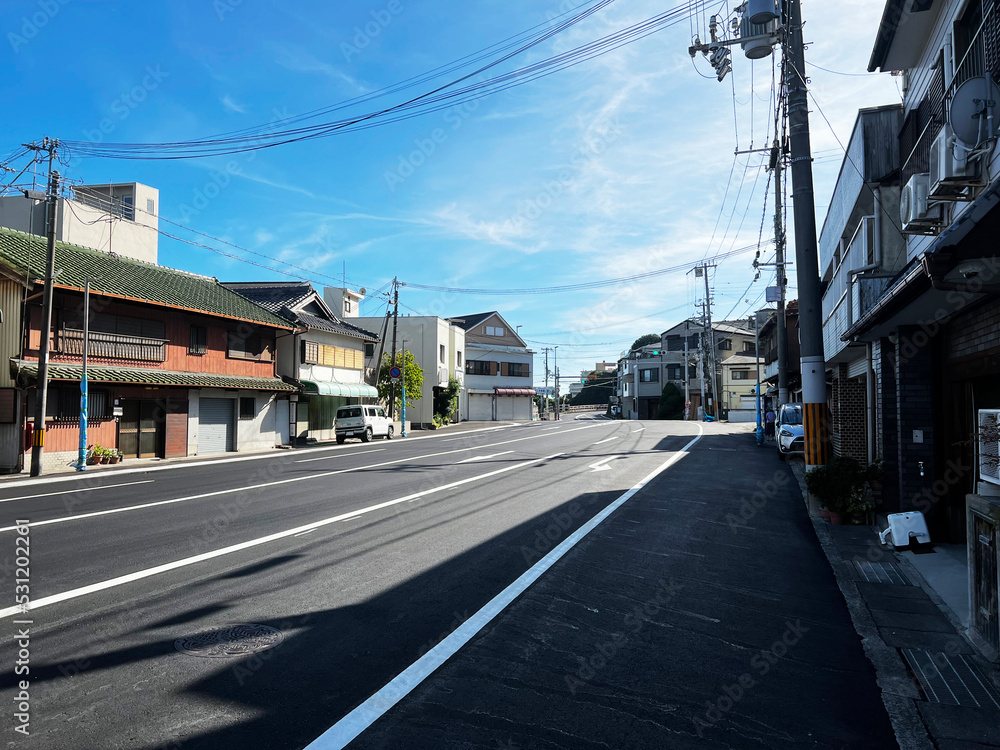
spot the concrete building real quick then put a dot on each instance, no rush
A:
(118, 218)
(499, 368)
(438, 346)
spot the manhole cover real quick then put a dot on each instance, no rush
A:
(236, 640)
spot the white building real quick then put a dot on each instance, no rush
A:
(498, 370)
(116, 218)
(438, 346)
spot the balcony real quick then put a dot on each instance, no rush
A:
(112, 346)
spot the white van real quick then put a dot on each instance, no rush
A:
(365, 422)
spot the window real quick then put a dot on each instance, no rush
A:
(649, 376)
(494, 331)
(63, 404)
(347, 305)
(741, 374)
(199, 340)
(380, 411)
(150, 207)
(673, 372)
(310, 353)
(726, 345)
(369, 350)
(749, 347)
(517, 369)
(458, 359)
(248, 407)
(442, 355)
(250, 347)
(477, 367)
(124, 326)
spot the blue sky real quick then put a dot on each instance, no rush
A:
(618, 166)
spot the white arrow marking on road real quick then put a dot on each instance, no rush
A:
(607, 440)
(483, 458)
(344, 731)
(602, 465)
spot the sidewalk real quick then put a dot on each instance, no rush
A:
(939, 691)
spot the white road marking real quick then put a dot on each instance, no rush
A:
(71, 492)
(341, 455)
(357, 721)
(639, 430)
(148, 572)
(483, 458)
(306, 532)
(608, 440)
(76, 476)
(602, 465)
(129, 508)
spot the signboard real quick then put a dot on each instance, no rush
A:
(772, 294)
(117, 411)
(394, 374)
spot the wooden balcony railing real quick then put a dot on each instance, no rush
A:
(112, 346)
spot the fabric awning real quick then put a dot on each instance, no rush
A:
(355, 390)
(515, 391)
(148, 376)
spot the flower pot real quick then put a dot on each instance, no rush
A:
(115, 459)
(92, 460)
(837, 519)
(105, 459)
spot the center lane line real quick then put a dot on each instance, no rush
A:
(158, 503)
(149, 572)
(74, 491)
(608, 440)
(483, 458)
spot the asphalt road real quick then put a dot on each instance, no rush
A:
(361, 558)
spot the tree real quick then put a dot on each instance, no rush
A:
(413, 376)
(646, 340)
(598, 388)
(446, 399)
(671, 403)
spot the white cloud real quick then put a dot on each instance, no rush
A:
(232, 106)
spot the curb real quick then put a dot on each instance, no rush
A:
(898, 688)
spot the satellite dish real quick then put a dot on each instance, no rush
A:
(362, 291)
(973, 102)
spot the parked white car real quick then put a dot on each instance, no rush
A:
(365, 422)
(789, 433)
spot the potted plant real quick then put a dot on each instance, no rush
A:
(92, 456)
(114, 457)
(840, 486)
(105, 455)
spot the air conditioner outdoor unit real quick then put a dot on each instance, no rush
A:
(951, 173)
(916, 217)
(989, 445)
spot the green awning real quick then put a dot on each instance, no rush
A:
(148, 376)
(356, 390)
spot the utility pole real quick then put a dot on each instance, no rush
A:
(81, 462)
(687, 376)
(714, 397)
(555, 366)
(701, 371)
(392, 362)
(42, 388)
(807, 264)
(777, 156)
(545, 408)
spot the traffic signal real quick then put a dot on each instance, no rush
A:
(719, 57)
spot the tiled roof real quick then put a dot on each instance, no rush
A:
(471, 321)
(342, 326)
(149, 376)
(132, 279)
(283, 297)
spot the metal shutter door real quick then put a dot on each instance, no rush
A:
(505, 407)
(522, 407)
(480, 407)
(215, 425)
